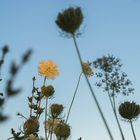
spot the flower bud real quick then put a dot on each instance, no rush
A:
(47, 91)
(56, 110)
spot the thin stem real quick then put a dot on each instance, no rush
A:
(133, 130)
(32, 97)
(44, 81)
(92, 92)
(46, 138)
(52, 130)
(114, 109)
(115, 113)
(74, 96)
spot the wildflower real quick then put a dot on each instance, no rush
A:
(51, 124)
(48, 69)
(70, 20)
(31, 126)
(56, 110)
(129, 110)
(87, 69)
(47, 91)
(62, 131)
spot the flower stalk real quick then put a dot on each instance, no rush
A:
(74, 96)
(113, 105)
(133, 130)
(92, 92)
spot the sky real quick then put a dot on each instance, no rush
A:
(109, 27)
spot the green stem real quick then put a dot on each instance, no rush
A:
(46, 138)
(92, 92)
(115, 113)
(113, 105)
(133, 130)
(44, 81)
(52, 130)
(74, 96)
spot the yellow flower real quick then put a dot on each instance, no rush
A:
(87, 69)
(48, 69)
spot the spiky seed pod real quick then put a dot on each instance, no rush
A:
(129, 110)
(31, 126)
(56, 110)
(51, 124)
(70, 19)
(47, 91)
(87, 69)
(39, 110)
(62, 131)
(33, 106)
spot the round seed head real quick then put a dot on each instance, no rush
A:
(31, 126)
(129, 110)
(62, 131)
(70, 19)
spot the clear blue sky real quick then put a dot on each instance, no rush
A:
(111, 27)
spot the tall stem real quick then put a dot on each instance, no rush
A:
(92, 92)
(52, 130)
(74, 96)
(46, 138)
(115, 113)
(114, 108)
(46, 107)
(133, 130)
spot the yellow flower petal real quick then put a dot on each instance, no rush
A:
(48, 69)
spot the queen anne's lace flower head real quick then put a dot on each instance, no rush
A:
(70, 19)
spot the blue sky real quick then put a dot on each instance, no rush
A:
(110, 27)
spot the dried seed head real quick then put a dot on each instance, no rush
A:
(47, 91)
(32, 137)
(62, 131)
(51, 124)
(31, 126)
(70, 20)
(129, 110)
(56, 110)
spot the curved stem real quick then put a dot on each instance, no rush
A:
(92, 92)
(133, 130)
(74, 96)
